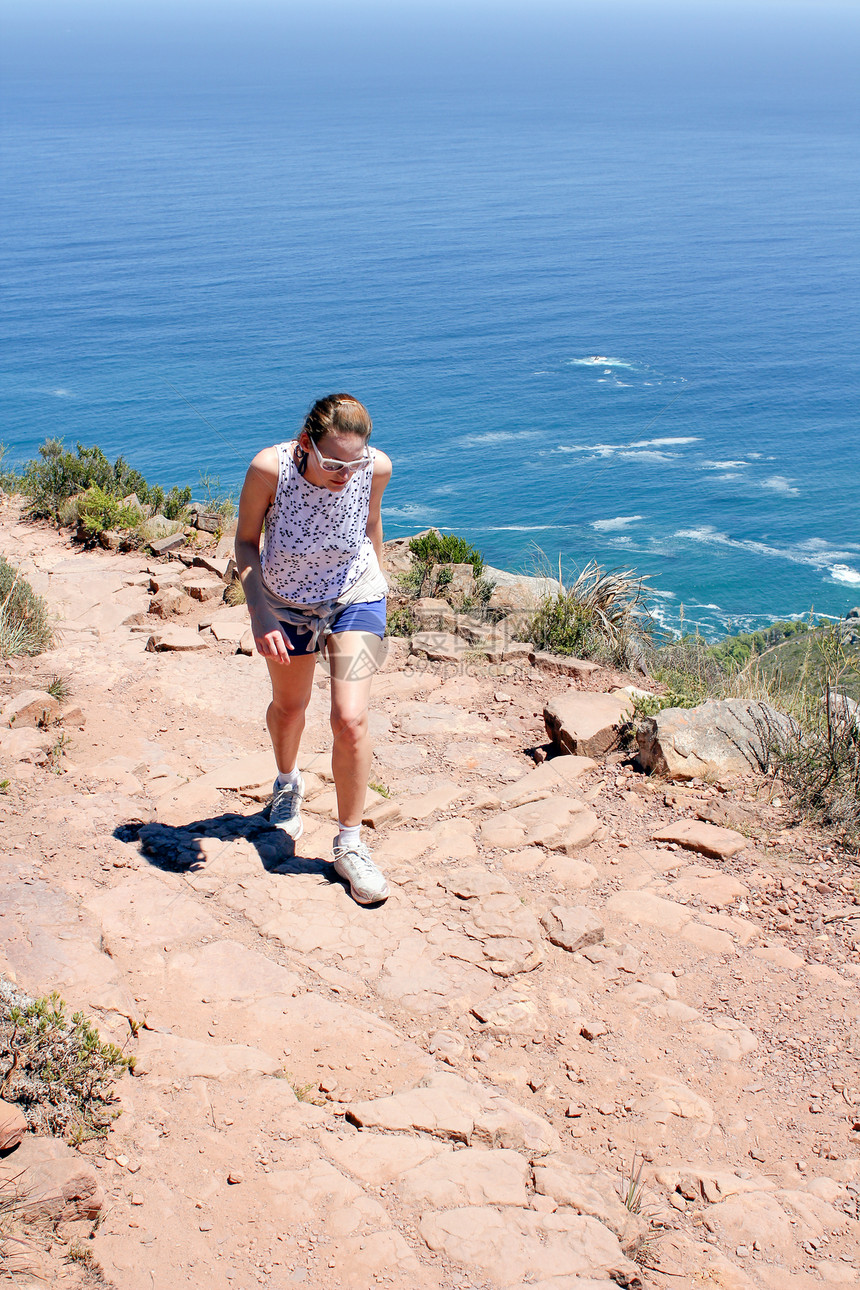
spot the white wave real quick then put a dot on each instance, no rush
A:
(598, 360)
(814, 552)
(658, 443)
(61, 393)
(518, 528)
(844, 573)
(724, 465)
(619, 522)
(617, 450)
(730, 476)
(409, 512)
(503, 436)
(662, 595)
(779, 484)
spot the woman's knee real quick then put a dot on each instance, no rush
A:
(288, 707)
(349, 727)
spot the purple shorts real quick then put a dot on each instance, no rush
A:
(364, 616)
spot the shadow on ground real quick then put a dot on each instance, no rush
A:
(178, 848)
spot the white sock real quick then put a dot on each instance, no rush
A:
(286, 777)
(347, 834)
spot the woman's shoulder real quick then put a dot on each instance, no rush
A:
(381, 464)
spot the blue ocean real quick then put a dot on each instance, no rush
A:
(595, 270)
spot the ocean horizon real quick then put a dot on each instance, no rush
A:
(595, 275)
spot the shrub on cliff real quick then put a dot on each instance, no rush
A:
(58, 475)
(24, 622)
(56, 1067)
(602, 616)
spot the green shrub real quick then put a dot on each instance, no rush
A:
(435, 548)
(818, 758)
(692, 672)
(24, 622)
(57, 475)
(99, 511)
(603, 615)
(400, 621)
(56, 1067)
(738, 650)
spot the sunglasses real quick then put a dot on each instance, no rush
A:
(334, 467)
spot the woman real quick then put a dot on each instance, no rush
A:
(318, 584)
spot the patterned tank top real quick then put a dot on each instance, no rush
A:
(316, 545)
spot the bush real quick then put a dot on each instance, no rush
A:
(692, 672)
(818, 760)
(57, 1068)
(57, 476)
(603, 615)
(400, 621)
(24, 622)
(98, 511)
(434, 548)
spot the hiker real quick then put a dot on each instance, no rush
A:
(318, 586)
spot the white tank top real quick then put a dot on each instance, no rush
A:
(316, 546)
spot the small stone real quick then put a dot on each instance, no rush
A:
(136, 1198)
(593, 1030)
(572, 927)
(234, 1178)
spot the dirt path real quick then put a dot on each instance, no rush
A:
(431, 1093)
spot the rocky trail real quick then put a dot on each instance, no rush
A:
(588, 986)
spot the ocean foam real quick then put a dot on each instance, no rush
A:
(657, 443)
(619, 522)
(844, 573)
(779, 484)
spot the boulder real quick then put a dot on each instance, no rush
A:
(175, 638)
(13, 1126)
(26, 744)
(30, 708)
(433, 615)
(441, 647)
(587, 724)
(57, 1184)
(201, 587)
(723, 737)
(579, 669)
(708, 839)
(168, 543)
(168, 602)
(572, 927)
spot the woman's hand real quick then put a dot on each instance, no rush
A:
(268, 637)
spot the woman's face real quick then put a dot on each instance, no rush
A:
(334, 446)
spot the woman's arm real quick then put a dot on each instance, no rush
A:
(381, 476)
(258, 493)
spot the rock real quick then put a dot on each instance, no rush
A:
(509, 1013)
(175, 638)
(587, 724)
(169, 543)
(441, 647)
(221, 566)
(169, 602)
(30, 708)
(558, 773)
(695, 835)
(467, 1177)
(169, 1057)
(574, 1180)
(578, 669)
(26, 744)
(55, 1183)
(433, 615)
(573, 927)
(208, 521)
(109, 539)
(13, 1126)
(376, 1159)
(541, 823)
(246, 644)
(515, 1246)
(199, 588)
(720, 738)
(644, 907)
(417, 720)
(455, 1110)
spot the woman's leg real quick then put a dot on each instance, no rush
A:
(353, 659)
(292, 684)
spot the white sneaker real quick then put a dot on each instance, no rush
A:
(366, 884)
(284, 812)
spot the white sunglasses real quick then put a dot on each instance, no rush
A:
(334, 467)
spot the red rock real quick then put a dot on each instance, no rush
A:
(13, 1126)
(587, 724)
